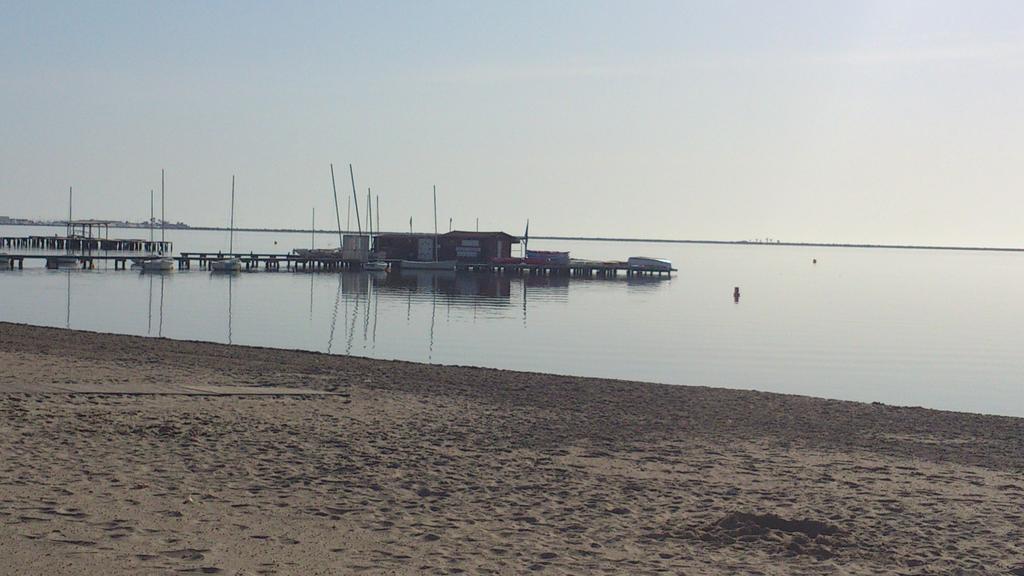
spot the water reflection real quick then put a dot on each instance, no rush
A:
(153, 278)
(334, 316)
(859, 328)
(67, 318)
(459, 288)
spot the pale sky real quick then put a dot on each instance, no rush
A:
(887, 122)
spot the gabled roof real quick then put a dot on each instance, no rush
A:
(480, 235)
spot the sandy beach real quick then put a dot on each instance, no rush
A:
(127, 455)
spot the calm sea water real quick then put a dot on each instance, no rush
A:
(933, 328)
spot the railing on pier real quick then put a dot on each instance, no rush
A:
(308, 263)
(85, 244)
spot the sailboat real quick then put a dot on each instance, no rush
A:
(374, 264)
(160, 263)
(137, 261)
(329, 253)
(434, 264)
(231, 263)
(68, 259)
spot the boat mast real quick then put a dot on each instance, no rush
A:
(151, 218)
(526, 237)
(378, 213)
(231, 233)
(355, 199)
(337, 214)
(163, 213)
(369, 224)
(312, 231)
(435, 222)
(68, 231)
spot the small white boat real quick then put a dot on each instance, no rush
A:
(226, 265)
(646, 263)
(375, 265)
(319, 253)
(231, 264)
(428, 265)
(159, 264)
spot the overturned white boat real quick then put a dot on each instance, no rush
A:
(647, 263)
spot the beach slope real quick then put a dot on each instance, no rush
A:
(126, 455)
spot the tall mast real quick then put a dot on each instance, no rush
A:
(378, 213)
(231, 233)
(435, 223)
(312, 231)
(337, 214)
(369, 214)
(355, 199)
(163, 213)
(70, 189)
(151, 217)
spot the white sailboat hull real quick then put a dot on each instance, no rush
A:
(226, 265)
(158, 265)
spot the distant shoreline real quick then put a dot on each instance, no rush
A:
(582, 238)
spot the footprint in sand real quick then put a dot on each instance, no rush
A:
(191, 554)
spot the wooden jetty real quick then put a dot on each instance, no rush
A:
(575, 268)
(85, 244)
(275, 262)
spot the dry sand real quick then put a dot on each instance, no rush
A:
(125, 455)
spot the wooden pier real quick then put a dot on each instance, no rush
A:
(575, 268)
(271, 262)
(293, 262)
(85, 244)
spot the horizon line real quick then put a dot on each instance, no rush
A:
(183, 226)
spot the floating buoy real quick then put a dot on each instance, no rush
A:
(815, 261)
(736, 294)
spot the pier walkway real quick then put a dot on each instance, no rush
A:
(84, 244)
(275, 262)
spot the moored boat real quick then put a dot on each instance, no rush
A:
(226, 265)
(647, 263)
(318, 253)
(230, 264)
(159, 264)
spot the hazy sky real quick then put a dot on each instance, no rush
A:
(882, 121)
